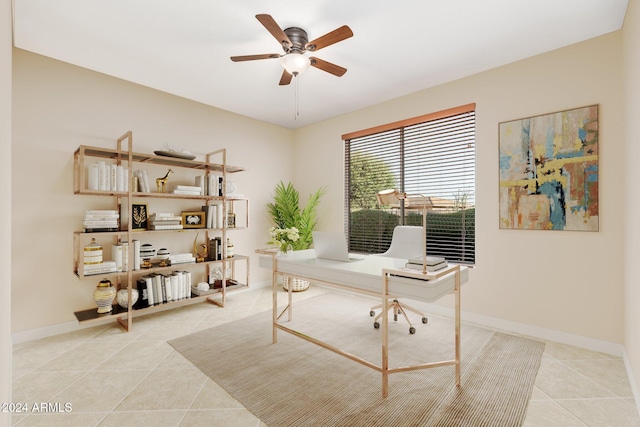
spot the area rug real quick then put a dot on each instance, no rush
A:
(297, 383)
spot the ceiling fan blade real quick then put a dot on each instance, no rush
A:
(254, 57)
(286, 78)
(272, 26)
(328, 39)
(334, 69)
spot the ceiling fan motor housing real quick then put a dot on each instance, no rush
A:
(298, 38)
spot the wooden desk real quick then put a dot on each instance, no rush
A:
(377, 276)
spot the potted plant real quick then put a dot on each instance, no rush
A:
(293, 225)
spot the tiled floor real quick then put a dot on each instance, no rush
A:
(112, 378)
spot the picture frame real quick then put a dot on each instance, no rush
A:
(139, 216)
(549, 171)
(194, 219)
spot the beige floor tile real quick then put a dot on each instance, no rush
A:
(175, 361)
(220, 418)
(144, 418)
(212, 396)
(165, 390)
(558, 381)
(137, 355)
(101, 391)
(549, 414)
(567, 352)
(92, 354)
(166, 331)
(538, 394)
(609, 373)
(117, 334)
(42, 386)
(603, 412)
(66, 420)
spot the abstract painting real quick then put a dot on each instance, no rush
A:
(549, 171)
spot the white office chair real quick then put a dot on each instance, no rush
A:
(406, 243)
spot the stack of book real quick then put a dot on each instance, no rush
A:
(165, 221)
(100, 220)
(100, 268)
(434, 263)
(188, 190)
(181, 258)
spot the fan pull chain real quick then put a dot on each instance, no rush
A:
(297, 98)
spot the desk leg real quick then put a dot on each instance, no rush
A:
(385, 337)
(457, 297)
(290, 299)
(274, 302)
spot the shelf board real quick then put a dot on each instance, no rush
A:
(156, 160)
(235, 258)
(91, 315)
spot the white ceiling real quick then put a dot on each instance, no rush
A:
(399, 47)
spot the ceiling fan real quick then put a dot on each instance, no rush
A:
(295, 43)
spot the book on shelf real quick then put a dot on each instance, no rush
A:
(187, 192)
(211, 214)
(214, 185)
(165, 227)
(136, 254)
(181, 258)
(107, 177)
(143, 181)
(433, 263)
(100, 268)
(125, 256)
(116, 255)
(143, 295)
(100, 220)
(215, 249)
(99, 229)
(431, 260)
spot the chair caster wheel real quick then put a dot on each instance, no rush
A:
(412, 330)
(376, 325)
(425, 320)
(372, 313)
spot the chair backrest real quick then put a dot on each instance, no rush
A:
(407, 242)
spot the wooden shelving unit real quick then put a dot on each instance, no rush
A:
(124, 155)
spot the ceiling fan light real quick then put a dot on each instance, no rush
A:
(295, 63)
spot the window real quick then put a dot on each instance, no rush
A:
(432, 159)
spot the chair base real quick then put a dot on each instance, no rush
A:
(398, 308)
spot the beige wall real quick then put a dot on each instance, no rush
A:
(5, 210)
(547, 280)
(569, 282)
(58, 107)
(632, 195)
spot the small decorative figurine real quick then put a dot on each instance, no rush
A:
(161, 183)
(200, 256)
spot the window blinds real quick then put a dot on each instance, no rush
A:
(432, 159)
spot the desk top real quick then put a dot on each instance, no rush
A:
(366, 274)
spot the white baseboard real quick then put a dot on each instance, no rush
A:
(63, 328)
(47, 331)
(632, 380)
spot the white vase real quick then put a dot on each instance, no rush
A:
(123, 297)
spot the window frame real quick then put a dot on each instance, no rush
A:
(400, 126)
